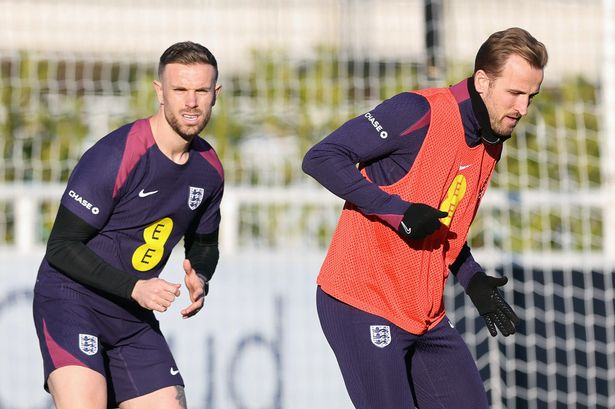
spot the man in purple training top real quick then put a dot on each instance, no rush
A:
(425, 158)
(129, 200)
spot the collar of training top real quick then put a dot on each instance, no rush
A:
(482, 115)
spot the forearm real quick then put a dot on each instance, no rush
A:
(68, 253)
(203, 253)
(333, 168)
(465, 267)
(385, 141)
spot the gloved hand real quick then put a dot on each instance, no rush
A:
(419, 221)
(484, 293)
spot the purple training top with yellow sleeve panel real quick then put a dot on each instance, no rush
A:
(141, 202)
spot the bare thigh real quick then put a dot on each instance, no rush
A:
(170, 397)
(77, 387)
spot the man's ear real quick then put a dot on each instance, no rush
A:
(481, 81)
(216, 93)
(158, 89)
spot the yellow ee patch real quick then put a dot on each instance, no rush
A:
(149, 254)
(455, 193)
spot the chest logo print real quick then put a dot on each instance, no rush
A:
(455, 193)
(150, 253)
(195, 197)
(143, 193)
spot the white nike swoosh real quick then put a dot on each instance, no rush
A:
(462, 167)
(406, 228)
(143, 193)
(174, 371)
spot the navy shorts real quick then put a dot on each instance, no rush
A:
(127, 349)
(386, 367)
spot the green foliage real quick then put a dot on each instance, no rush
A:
(41, 123)
(555, 148)
(45, 102)
(571, 146)
(310, 98)
(44, 123)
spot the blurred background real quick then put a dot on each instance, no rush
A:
(291, 72)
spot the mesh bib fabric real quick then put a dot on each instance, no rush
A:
(369, 266)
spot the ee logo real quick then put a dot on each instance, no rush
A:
(455, 193)
(149, 254)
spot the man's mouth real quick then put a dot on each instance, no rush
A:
(192, 118)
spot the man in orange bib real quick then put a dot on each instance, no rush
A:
(425, 159)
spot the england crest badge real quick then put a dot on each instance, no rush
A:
(381, 335)
(195, 197)
(88, 344)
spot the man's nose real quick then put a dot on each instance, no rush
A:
(522, 105)
(191, 99)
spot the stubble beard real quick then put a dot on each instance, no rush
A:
(500, 129)
(498, 123)
(186, 132)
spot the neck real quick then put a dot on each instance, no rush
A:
(171, 144)
(488, 135)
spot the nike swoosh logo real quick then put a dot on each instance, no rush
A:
(462, 167)
(143, 193)
(406, 228)
(174, 371)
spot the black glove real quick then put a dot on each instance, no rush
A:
(484, 293)
(419, 221)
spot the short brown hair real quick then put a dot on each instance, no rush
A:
(186, 53)
(494, 52)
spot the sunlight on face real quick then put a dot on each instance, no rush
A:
(188, 93)
(508, 96)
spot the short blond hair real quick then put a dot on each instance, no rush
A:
(494, 52)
